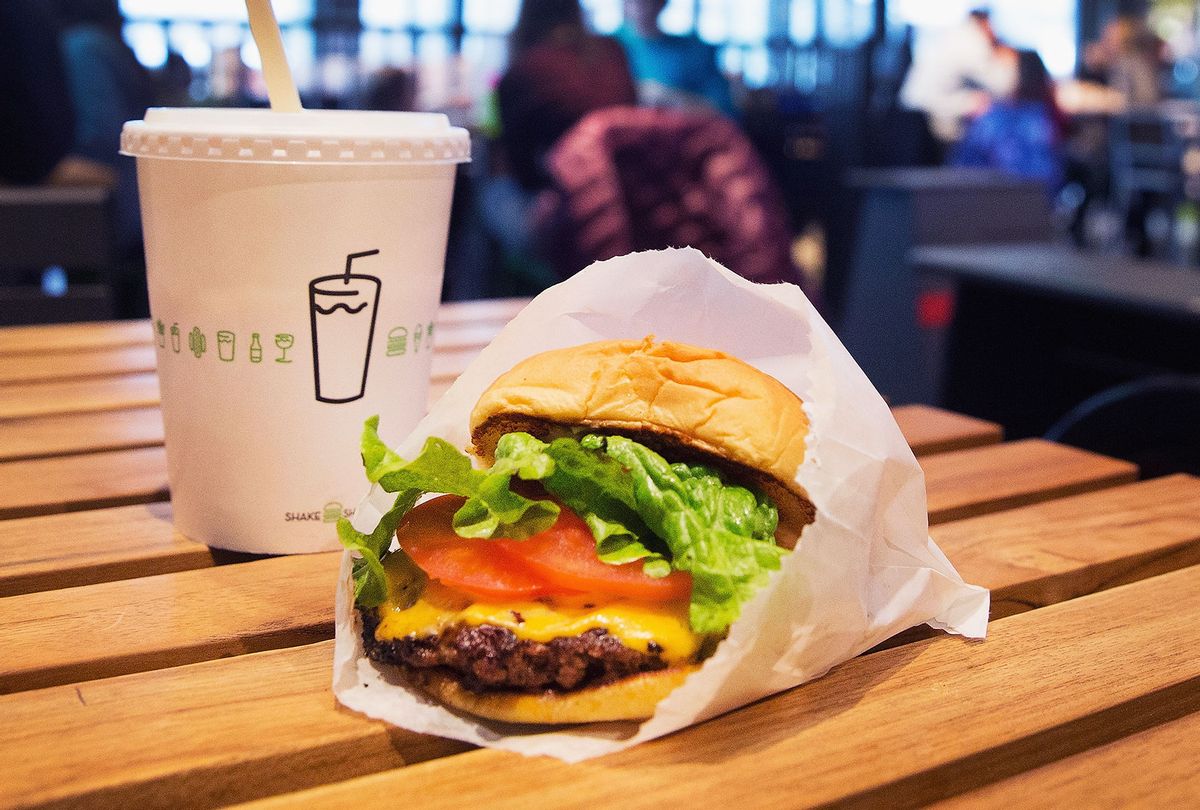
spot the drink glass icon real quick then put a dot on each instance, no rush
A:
(283, 342)
(343, 309)
(225, 345)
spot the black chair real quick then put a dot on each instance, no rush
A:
(1147, 151)
(1153, 422)
(68, 227)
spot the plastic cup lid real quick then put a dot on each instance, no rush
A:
(312, 136)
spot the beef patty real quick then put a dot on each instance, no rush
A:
(488, 658)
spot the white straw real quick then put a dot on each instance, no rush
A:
(281, 88)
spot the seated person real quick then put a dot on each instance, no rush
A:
(1021, 133)
(671, 71)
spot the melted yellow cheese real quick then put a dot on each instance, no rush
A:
(636, 625)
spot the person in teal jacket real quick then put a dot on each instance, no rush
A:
(671, 70)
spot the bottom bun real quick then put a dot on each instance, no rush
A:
(632, 698)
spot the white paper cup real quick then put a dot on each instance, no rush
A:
(295, 265)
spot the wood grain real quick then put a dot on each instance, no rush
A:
(166, 725)
(91, 481)
(67, 434)
(198, 736)
(78, 396)
(1037, 555)
(494, 310)
(103, 362)
(1159, 767)
(126, 542)
(973, 482)
(165, 620)
(244, 727)
(51, 338)
(1051, 552)
(931, 430)
(898, 728)
(102, 545)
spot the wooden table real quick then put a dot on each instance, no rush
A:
(140, 669)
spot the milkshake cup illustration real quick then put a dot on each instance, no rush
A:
(175, 339)
(225, 345)
(343, 311)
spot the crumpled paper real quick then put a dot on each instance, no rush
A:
(864, 570)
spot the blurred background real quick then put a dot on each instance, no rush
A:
(970, 192)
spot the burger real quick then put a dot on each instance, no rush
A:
(625, 500)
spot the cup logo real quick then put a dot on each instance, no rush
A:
(342, 309)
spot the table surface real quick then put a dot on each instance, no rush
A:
(1117, 281)
(142, 669)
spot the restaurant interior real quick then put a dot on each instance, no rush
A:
(996, 206)
(599, 403)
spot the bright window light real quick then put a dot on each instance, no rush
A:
(286, 11)
(149, 43)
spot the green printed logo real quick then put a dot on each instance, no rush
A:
(160, 330)
(331, 512)
(397, 341)
(175, 338)
(255, 349)
(226, 342)
(283, 342)
(197, 343)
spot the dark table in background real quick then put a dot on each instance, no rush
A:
(1039, 328)
(902, 209)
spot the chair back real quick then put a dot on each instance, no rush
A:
(638, 179)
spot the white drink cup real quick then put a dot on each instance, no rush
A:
(281, 250)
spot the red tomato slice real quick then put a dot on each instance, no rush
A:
(560, 560)
(565, 554)
(477, 567)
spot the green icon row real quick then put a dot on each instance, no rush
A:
(196, 342)
(400, 341)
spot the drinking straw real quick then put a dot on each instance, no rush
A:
(281, 88)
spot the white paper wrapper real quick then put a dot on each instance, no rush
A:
(864, 571)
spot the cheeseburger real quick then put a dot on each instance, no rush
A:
(626, 499)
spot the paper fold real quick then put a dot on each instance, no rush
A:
(864, 570)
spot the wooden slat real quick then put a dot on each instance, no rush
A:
(109, 361)
(300, 691)
(22, 400)
(1037, 555)
(929, 430)
(495, 310)
(932, 430)
(988, 479)
(74, 336)
(104, 362)
(78, 396)
(1047, 553)
(166, 620)
(1159, 767)
(898, 728)
(71, 483)
(102, 545)
(67, 434)
(91, 481)
(197, 736)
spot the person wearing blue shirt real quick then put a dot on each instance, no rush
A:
(671, 71)
(1021, 133)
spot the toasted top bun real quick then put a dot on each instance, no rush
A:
(687, 402)
(631, 698)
